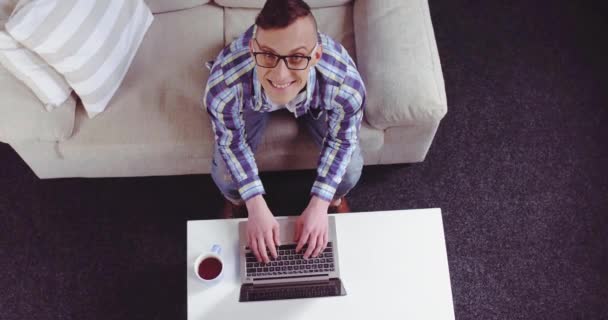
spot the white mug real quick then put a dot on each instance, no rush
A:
(214, 254)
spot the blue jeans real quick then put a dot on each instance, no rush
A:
(255, 123)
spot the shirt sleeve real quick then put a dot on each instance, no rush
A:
(224, 108)
(344, 125)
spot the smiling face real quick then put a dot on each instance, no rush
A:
(281, 84)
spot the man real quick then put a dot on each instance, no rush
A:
(284, 62)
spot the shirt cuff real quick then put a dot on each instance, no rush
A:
(251, 187)
(323, 190)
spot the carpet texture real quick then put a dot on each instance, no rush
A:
(518, 166)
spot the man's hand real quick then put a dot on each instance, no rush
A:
(311, 228)
(262, 229)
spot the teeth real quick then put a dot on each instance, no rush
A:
(280, 86)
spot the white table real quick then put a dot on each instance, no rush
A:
(393, 264)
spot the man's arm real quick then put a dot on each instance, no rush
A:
(224, 109)
(344, 124)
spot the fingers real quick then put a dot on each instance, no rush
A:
(312, 243)
(253, 244)
(298, 231)
(271, 245)
(262, 250)
(302, 241)
(320, 245)
(277, 235)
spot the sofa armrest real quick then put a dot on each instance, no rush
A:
(23, 117)
(399, 63)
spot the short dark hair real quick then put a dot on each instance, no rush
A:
(278, 14)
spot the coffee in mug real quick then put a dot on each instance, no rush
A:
(209, 266)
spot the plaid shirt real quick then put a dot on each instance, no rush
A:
(334, 86)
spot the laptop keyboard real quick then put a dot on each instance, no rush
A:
(289, 263)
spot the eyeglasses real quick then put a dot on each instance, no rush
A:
(266, 59)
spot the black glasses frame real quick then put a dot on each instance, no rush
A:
(280, 57)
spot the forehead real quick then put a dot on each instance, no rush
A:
(300, 33)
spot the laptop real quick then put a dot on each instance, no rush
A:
(290, 276)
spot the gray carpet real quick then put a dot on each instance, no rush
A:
(519, 167)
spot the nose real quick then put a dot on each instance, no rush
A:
(281, 69)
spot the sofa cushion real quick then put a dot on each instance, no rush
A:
(337, 22)
(91, 43)
(157, 108)
(291, 150)
(259, 4)
(45, 82)
(22, 115)
(23, 118)
(160, 6)
(402, 72)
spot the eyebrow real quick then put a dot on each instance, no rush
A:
(263, 47)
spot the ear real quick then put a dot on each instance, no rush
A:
(251, 47)
(317, 54)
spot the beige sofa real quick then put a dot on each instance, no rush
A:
(156, 125)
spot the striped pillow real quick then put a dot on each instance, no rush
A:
(49, 86)
(90, 42)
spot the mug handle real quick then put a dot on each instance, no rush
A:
(216, 249)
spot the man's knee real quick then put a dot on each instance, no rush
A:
(223, 179)
(352, 174)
